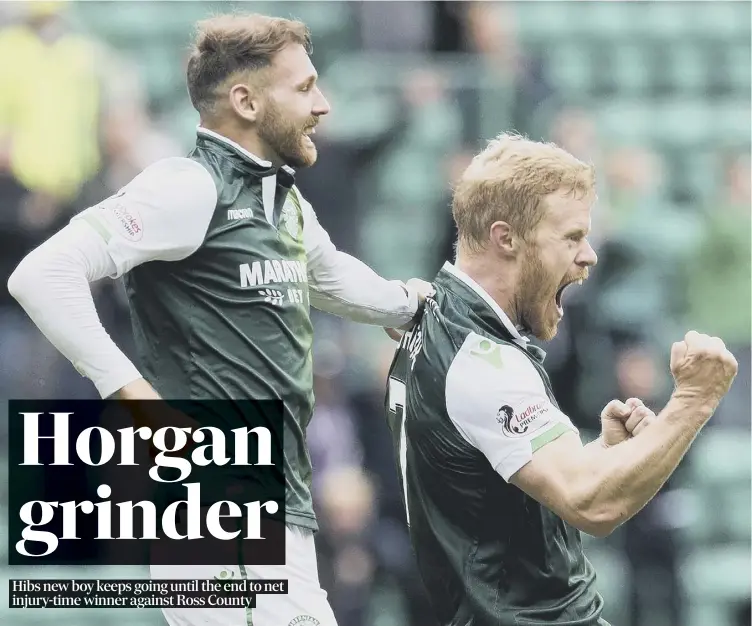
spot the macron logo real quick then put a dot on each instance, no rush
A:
(239, 214)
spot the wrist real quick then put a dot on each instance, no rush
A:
(138, 390)
(686, 404)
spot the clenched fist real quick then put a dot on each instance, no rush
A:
(703, 368)
(622, 420)
(424, 290)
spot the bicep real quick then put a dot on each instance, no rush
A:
(161, 215)
(550, 475)
(498, 402)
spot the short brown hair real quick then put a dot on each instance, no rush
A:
(227, 45)
(508, 181)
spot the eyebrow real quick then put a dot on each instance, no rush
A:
(309, 80)
(581, 232)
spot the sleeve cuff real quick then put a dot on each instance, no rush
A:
(412, 298)
(115, 380)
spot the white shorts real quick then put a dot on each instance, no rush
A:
(305, 604)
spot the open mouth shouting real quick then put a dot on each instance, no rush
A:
(560, 293)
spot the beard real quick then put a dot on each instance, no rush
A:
(535, 302)
(287, 138)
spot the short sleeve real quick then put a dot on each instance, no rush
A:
(161, 215)
(498, 402)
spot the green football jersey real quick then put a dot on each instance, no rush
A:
(468, 403)
(223, 312)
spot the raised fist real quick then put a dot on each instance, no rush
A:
(703, 368)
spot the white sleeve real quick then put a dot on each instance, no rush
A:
(161, 215)
(169, 201)
(343, 285)
(52, 285)
(497, 401)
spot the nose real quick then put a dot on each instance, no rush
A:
(321, 105)
(587, 256)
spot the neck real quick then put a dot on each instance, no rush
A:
(496, 277)
(249, 141)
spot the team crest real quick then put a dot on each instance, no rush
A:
(290, 219)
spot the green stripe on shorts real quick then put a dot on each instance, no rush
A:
(244, 576)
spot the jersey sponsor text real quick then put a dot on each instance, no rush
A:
(529, 420)
(272, 271)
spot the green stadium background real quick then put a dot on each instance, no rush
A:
(656, 94)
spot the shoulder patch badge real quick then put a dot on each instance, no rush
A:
(523, 422)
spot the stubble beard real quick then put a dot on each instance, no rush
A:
(286, 139)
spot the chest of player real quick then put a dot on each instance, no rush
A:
(253, 251)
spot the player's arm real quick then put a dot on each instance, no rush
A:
(597, 488)
(162, 214)
(500, 406)
(343, 285)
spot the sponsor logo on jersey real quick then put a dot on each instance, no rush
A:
(126, 220)
(239, 214)
(520, 423)
(273, 296)
(488, 351)
(304, 620)
(272, 271)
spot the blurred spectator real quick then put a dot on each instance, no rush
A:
(405, 27)
(456, 163)
(717, 281)
(366, 562)
(650, 539)
(514, 85)
(332, 436)
(339, 207)
(49, 108)
(346, 502)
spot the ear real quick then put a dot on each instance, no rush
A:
(503, 239)
(245, 102)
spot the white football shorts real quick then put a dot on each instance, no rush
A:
(305, 604)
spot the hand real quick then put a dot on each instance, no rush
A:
(424, 290)
(703, 369)
(640, 418)
(622, 420)
(147, 409)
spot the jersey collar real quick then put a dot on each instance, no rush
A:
(503, 317)
(535, 351)
(240, 150)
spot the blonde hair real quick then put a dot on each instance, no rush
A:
(227, 45)
(508, 182)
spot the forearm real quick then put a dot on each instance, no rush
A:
(618, 481)
(349, 288)
(52, 285)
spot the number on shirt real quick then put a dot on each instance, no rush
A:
(397, 403)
